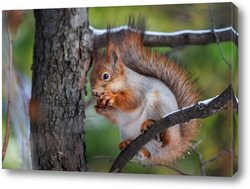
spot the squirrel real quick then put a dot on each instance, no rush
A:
(134, 87)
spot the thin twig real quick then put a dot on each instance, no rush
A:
(149, 165)
(7, 133)
(216, 36)
(217, 155)
(203, 163)
(235, 155)
(203, 173)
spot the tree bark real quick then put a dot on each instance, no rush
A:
(62, 52)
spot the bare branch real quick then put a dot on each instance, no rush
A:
(200, 158)
(7, 133)
(203, 163)
(176, 39)
(235, 155)
(149, 164)
(235, 104)
(217, 37)
(202, 109)
(162, 165)
(217, 155)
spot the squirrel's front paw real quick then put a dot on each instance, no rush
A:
(100, 110)
(107, 99)
(124, 144)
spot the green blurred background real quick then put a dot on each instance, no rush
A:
(219, 132)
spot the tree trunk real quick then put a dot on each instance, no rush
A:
(62, 53)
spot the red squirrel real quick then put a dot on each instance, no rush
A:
(135, 87)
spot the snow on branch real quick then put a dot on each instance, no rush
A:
(202, 109)
(176, 39)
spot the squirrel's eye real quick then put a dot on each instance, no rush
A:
(105, 76)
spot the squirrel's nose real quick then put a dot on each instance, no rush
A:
(92, 90)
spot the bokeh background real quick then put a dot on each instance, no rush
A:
(219, 132)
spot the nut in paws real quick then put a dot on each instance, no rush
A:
(107, 99)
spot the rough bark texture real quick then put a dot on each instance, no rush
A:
(61, 52)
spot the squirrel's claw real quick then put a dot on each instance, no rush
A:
(100, 110)
(124, 144)
(106, 99)
(146, 125)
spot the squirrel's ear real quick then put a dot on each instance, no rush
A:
(114, 61)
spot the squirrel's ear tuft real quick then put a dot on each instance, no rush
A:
(114, 56)
(114, 61)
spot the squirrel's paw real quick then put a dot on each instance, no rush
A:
(146, 125)
(100, 110)
(107, 98)
(124, 144)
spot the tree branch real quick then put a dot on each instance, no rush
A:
(176, 39)
(200, 158)
(148, 164)
(217, 37)
(235, 103)
(202, 109)
(203, 163)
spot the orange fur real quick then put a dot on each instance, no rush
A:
(125, 101)
(144, 151)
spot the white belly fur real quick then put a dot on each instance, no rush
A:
(130, 123)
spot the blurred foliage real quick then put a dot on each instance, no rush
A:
(23, 44)
(204, 62)
(22, 25)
